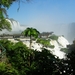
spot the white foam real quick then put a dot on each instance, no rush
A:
(60, 43)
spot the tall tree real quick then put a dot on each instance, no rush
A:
(4, 24)
(4, 5)
(31, 32)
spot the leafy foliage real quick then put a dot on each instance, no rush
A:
(71, 57)
(4, 24)
(18, 55)
(65, 50)
(6, 69)
(44, 42)
(24, 61)
(44, 62)
(4, 5)
(69, 64)
(53, 37)
(32, 33)
(40, 62)
(69, 49)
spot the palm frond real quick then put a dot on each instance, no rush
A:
(31, 32)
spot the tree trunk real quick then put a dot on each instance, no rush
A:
(30, 42)
(29, 53)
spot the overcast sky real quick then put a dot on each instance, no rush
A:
(46, 15)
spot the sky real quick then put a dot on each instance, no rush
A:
(46, 15)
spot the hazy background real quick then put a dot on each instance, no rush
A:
(47, 15)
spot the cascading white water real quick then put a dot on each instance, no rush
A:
(14, 24)
(16, 27)
(63, 42)
(58, 44)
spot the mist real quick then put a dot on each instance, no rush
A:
(71, 32)
(67, 30)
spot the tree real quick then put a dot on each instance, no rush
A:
(41, 63)
(32, 33)
(4, 5)
(71, 57)
(4, 24)
(17, 55)
(67, 66)
(6, 69)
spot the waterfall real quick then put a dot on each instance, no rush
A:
(16, 27)
(58, 44)
(61, 42)
(14, 24)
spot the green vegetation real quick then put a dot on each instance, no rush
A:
(20, 60)
(23, 61)
(7, 69)
(32, 33)
(4, 24)
(69, 49)
(65, 50)
(44, 42)
(4, 5)
(53, 37)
